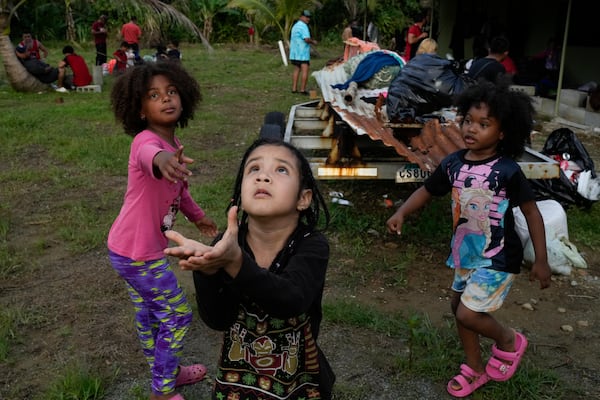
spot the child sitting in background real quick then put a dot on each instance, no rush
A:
(173, 52)
(121, 58)
(161, 53)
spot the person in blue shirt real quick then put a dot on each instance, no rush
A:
(300, 42)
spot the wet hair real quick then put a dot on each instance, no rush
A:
(312, 214)
(129, 90)
(68, 50)
(512, 109)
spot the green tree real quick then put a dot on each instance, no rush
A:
(278, 14)
(207, 10)
(154, 12)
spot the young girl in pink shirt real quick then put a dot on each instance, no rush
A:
(151, 101)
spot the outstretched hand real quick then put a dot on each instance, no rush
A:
(226, 253)
(172, 166)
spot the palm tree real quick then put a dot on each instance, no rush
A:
(271, 13)
(18, 77)
(207, 11)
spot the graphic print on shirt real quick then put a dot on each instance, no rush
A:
(472, 234)
(169, 219)
(479, 204)
(269, 357)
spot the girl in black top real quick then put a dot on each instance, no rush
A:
(262, 281)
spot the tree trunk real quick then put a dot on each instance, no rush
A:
(70, 22)
(18, 77)
(208, 28)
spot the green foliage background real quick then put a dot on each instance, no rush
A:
(46, 19)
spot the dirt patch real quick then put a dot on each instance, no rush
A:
(77, 313)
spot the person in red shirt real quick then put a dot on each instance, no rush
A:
(509, 66)
(415, 35)
(99, 33)
(121, 57)
(131, 33)
(81, 74)
(30, 48)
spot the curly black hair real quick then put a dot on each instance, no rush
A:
(512, 109)
(311, 215)
(130, 88)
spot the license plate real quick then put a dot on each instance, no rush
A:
(411, 173)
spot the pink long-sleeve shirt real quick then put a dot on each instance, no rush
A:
(150, 203)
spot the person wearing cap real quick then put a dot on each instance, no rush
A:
(300, 42)
(100, 34)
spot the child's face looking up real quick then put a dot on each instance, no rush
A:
(271, 184)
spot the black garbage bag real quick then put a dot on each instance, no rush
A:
(425, 84)
(564, 143)
(563, 146)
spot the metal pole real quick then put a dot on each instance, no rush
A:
(365, 23)
(561, 69)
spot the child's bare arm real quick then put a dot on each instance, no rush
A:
(540, 269)
(416, 200)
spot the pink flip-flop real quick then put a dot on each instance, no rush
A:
(189, 375)
(469, 381)
(503, 364)
(178, 396)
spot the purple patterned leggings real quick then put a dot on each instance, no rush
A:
(162, 315)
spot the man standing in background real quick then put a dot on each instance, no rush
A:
(300, 42)
(99, 33)
(131, 33)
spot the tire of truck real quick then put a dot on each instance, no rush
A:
(274, 126)
(275, 118)
(271, 131)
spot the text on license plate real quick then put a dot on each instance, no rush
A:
(411, 173)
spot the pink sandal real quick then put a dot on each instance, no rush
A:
(503, 364)
(469, 381)
(190, 374)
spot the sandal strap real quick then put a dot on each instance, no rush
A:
(468, 372)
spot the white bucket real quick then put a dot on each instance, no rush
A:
(554, 216)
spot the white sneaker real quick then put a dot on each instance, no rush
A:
(62, 90)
